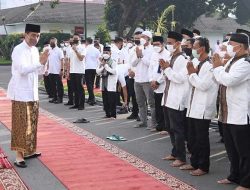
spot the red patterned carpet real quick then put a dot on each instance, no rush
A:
(81, 160)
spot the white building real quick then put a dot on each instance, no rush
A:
(66, 17)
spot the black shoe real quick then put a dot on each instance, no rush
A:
(53, 101)
(138, 118)
(59, 101)
(92, 103)
(73, 107)
(81, 121)
(123, 110)
(69, 104)
(132, 116)
(81, 108)
(20, 164)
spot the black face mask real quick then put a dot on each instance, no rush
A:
(187, 51)
(76, 42)
(52, 45)
(137, 42)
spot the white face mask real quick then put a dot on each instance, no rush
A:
(195, 53)
(66, 44)
(230, 50)
(106, 56)
(143, 41)
(129, 45)
(222, 54)
(171, 48)
(157, 49)
(62, 45)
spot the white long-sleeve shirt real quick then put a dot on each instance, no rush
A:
(26, 67)
(237, 81)
(141, 64)
(154, 73)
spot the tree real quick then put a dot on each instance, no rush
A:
(103, 34)
(124, 16)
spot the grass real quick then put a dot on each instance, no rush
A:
(4, 61)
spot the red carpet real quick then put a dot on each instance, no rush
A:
(82, 161)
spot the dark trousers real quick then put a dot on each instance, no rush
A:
(76, 79)
(109, 103)
(237, 143)
(90, 79)
(131, 94)
(166, 119)
(220, 129)
(176, 132)
(56, 86)
(47, 85)
(70, 91)
(199, 146)
(159, 112)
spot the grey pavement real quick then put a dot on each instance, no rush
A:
(148, 146)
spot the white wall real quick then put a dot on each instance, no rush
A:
(65, 28)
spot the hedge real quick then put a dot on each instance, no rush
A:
(7, 43)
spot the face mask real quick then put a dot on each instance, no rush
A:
(230, 50)
(62, 45)
(52, 45)
(187, 51)
(76, 42)
(137, 42)
(157, 49)
(106, 56)
(171, 48)
(66, 44)
(129, 45)
(143, 41)
(195, 53)
(222, 54)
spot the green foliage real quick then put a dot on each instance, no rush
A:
(7, 43)
(103, 33)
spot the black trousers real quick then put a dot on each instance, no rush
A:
(109, 103)
(159, 112)
(220, 129)
(166, 119)
(97, 81)
(199, 146)
(70, 91)
(76, 80)
(56, 86)
(47, 85)
(90, 79)
(237, 143)
(176, 132)
(131, 94)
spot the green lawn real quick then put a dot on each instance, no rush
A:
(4, 61)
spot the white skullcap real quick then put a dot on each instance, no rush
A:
(147, 33)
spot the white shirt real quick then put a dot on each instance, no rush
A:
(237, 81)
(178, 89)
(203, 103)
(76, 66)
(122, 71)
(112, 79)
(26, 66)
(141, 64)
(154, 73)
(55, 58)
(92, 57)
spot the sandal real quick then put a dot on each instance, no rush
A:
(224, 181)
(170, 158)
(35, 155)
(198, 172)
(187, 167)
(20, 164)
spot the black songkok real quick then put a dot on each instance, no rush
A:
(106, 48)
(175, 35)
(196, 32)
(158, 39)
(32, 28)
(187, 32)
(240, 38)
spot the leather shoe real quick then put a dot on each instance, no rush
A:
(92, 103)
(81, 121)
(69, 104)
(52, 101)
(132, 116)
(73, 107)
(59, 101)
(81, 108)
